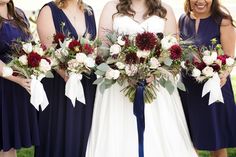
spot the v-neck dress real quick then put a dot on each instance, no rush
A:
(18, 118)
(64, 129)
(211, 127)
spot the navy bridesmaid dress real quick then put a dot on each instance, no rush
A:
(64, 129)
(211, 127)
(18, 118)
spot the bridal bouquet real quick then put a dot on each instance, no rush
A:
(135, 59)
(206, 65)
(76, 57)
(32, 60)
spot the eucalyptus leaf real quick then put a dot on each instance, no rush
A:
(98, 81)
(169, 86)
(103, 67)
(102, 87)
(100, 73)
(49, 74)
(181, 86)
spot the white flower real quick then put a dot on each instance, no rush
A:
(81, 57)
(39, 50)
(154, 63)
(143, 54)
(214, 55)
(168, 41)
(120, 41)
(208, 60)
(7, 71)
(64, 52)
(112, 74)
(58, 53)
(120, 65)
(183, 65)
(131, 70)
(27, 47)
(207, 53)
(208, 71)
(115, 49)
(72, 64)
(44, 65)
(196, 72)
(90, 62)
(229, 61)
(23, 59)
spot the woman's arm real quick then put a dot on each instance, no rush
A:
(170, 25)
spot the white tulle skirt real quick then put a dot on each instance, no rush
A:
(114, 127)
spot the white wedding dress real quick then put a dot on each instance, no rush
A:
(114, 126)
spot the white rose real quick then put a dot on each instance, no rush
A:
(115, 49)
(131, 70)
(207, 53)
(120, 41)
(208, 71)
(208, 60)
(143, 54)
(90, 62)
(7, 71)
(81, 57)
(44, 66)
(120, 65)
(39, 50)
(112, 74)
(214, 55)
(72, 64)
(229, 61)
(196, 72)
(27, 47)
(154, 63)
(183, 65)
(168, 41)
(23, 59)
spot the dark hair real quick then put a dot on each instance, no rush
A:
(218, 12)
(18, 16)
(154, 8)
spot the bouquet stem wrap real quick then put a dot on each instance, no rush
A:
(138, 110)
(74, 88)
(38, 95)
(213, 86)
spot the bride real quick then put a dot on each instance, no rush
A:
(114, 128)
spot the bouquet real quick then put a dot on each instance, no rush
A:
(137, 58)
(32, 60)
(76, 57)
(206, 65)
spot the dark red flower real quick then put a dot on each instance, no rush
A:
(175, 52)
(146, 41)
(75, 45)
(131, 58)
(200, 66)
(216, 67)
(142, 60)
(88, 49)
(126, 39)
(44, 47)
(223, 58)
(34, 59)
(158, 50)
(58, 37)
(99, 60)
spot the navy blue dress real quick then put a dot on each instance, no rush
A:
(18, 118)
(64, 130)
(211, 127)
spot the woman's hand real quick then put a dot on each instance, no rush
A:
(150, 79)
(223, 78)
(25, 83)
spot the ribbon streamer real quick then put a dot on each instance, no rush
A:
(213, 86)
(74, 88)
(138, 110)
(38, 95)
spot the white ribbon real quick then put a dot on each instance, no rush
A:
(38, 95)
(213, 86)
(74, 88)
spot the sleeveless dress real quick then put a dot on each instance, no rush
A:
(211, 127)
(18, 118)
(64, 129)
(114, 127)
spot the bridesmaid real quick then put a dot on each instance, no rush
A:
(64, 129)
(211, 127)
(18, 118)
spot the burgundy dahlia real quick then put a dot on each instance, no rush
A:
(216, 67)
(88, 49)
(146, 41)
(58, 37)
(131, 58)
(34, 59)
(223, 58)
(175, 52)
(75, 45)
(200, 66)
